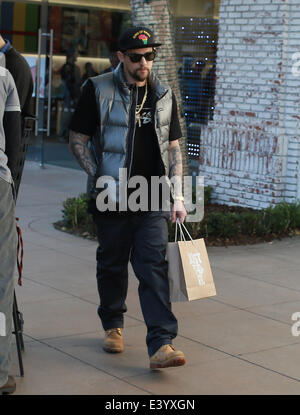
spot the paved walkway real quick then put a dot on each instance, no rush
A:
(239, 342)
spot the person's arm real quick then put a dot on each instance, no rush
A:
(78, 145)
(175, 174)
(12, 127)
(175, 163)
(12, 131)
(82, 127)
(21, 72)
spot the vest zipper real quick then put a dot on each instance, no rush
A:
(132, 128)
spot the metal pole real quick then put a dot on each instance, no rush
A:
(44, 28)
(38, 110)
(50, 82)
(37, 84)
(39, 125)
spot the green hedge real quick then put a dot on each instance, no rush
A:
(275, 221)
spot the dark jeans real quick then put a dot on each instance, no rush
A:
(141, 238)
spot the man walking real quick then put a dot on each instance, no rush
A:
(10, 110)
(131, 120)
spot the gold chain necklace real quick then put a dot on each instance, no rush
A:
(137, 113)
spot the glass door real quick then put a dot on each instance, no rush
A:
(19, 25)
(83, 45)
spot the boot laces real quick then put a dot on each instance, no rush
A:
(114, 330)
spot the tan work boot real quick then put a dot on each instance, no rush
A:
(167, 356)
(113, 342)
(9, 387)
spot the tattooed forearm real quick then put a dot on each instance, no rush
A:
(175, 161)
(78, 145)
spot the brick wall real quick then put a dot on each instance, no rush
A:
(250, 152)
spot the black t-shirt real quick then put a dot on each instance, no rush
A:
(146, 160)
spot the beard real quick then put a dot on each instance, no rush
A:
(138, 76)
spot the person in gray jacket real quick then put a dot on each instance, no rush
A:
(10, 132)
(130, 118)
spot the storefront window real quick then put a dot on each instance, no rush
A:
(84, 41)
(20, 23)
(92, 32)
(85, 33)
(196, 37)
(89, 29)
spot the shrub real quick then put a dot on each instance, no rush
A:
(74, 212)
(207, 195)
(252, 224)
(275, 221)
(294, 216)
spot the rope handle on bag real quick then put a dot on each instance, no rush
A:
(181, 232)
(20, 255)
(184, 227)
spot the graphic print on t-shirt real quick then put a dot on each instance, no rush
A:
(143, 108)
(145, 117)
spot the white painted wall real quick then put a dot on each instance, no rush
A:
(250, 153)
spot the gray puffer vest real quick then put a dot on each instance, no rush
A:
(113, 140)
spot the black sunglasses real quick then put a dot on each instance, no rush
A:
(136, 57)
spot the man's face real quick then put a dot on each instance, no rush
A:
(138, 71)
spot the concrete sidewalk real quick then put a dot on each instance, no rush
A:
(239, 342)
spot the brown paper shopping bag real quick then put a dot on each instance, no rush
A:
(190, 276)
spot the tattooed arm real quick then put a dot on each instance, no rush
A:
(78, 145)
(175, 161)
